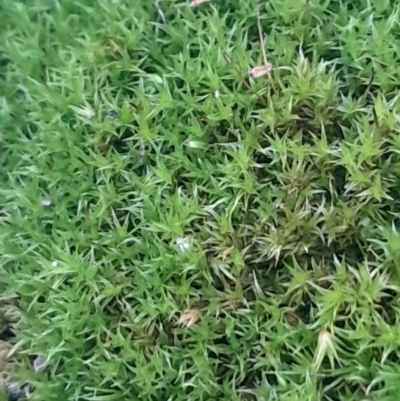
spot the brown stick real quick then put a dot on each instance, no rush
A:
(261, 35)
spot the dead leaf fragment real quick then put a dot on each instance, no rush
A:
(227, 252)
(261, 70)
(189, 318)
(196, 3)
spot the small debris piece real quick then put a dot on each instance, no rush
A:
(217, 94)
(54, 264)
(46, 202)
(189, 318)
(261, 70)
(196, 3)
(183, 243)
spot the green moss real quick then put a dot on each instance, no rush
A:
(286, 196)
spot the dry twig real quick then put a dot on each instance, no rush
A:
(265, 69)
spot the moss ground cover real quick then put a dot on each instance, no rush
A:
(174, 229)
